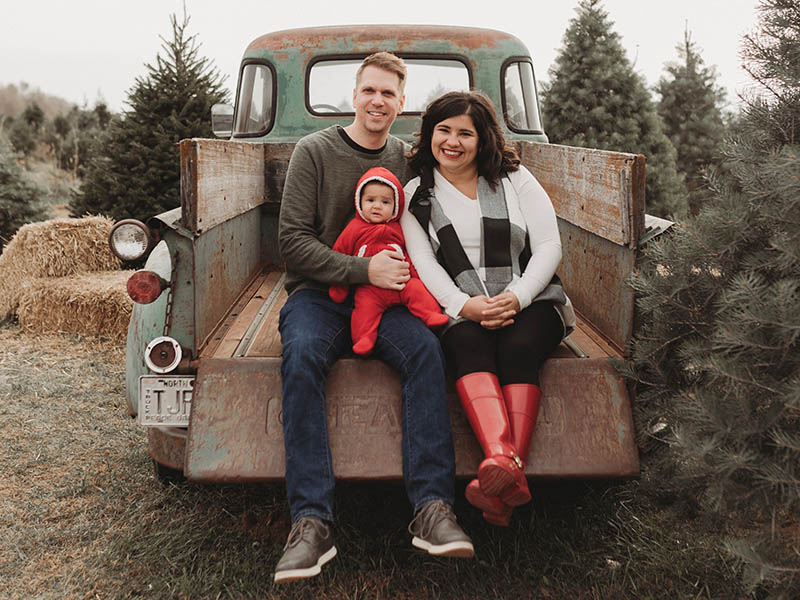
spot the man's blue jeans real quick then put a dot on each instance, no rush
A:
(315, 332)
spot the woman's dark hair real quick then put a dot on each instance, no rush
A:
(494, 157)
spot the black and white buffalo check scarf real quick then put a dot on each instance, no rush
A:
(505, 243)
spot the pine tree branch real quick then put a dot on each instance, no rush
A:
(751, 381)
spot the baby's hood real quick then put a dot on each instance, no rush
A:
(387, 177)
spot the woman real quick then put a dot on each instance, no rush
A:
(483, 236)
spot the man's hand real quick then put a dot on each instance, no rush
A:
(388, 269)
(491, 313)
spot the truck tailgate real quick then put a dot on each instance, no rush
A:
(584, 429)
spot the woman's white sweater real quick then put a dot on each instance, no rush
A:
(528, 204)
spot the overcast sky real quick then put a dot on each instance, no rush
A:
(85, 50)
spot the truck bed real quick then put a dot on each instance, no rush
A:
(230, 195)
(584, 427)
(250, 329)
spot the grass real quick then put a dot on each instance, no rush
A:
(83, 516)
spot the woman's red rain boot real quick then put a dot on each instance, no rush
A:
(500, 473)
(522, 407)
(494, 511)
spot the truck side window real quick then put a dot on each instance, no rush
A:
(519, 100)
(330, 83)
(254, 106)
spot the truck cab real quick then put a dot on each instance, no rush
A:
(203, 351)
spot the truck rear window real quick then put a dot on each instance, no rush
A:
(331, 83)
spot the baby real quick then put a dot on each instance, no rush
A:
(379, 204)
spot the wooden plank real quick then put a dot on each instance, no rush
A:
(267, 341)
(585, 342)
(210, 344)
(597, 190)
(592, 341)
(219, 180)
(242, 322)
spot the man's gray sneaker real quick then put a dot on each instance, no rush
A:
(435, 530)
(309, 546)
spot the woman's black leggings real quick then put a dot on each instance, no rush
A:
(514, 353)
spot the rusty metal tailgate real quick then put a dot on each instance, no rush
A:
(235, 432)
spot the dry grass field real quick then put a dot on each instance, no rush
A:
(82, 515)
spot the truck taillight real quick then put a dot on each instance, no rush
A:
(145, 287)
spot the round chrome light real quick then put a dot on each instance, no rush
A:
(129, 239)
(162, 355)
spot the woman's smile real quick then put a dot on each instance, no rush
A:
(451, 153)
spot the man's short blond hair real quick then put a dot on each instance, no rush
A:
(388, 62)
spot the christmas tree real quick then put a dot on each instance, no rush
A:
(20, 199)
(690, 110)
(595, 99)
(717, 354)
(136, 171)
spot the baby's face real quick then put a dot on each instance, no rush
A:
(377, 202)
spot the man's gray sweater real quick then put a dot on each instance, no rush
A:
(318, 201)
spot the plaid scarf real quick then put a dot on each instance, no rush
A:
(505, 244)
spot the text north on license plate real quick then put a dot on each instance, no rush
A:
(165, 400)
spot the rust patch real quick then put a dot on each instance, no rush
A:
(167, 446)
(584, 428)
(365, 36)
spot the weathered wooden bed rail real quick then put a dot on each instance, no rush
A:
(597, 190)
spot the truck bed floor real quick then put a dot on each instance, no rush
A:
(251, 326)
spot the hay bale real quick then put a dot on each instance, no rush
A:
(54, 248)
(91, 304)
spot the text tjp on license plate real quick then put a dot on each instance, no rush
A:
(165, 401)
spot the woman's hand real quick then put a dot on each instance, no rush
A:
(500, 311)
(474, 307)
(491, 313)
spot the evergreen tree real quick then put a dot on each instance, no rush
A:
(20, 200)
(136, 170)
(74, 138)
(717, 355)
(33, 115)
(596, 99)
(690, 110)
(23, 136)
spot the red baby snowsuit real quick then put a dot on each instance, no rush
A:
(361, 238)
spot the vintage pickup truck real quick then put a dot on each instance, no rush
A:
(203, 351)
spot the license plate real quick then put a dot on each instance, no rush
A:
(165, 401)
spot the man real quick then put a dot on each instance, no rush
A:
(315, 331)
